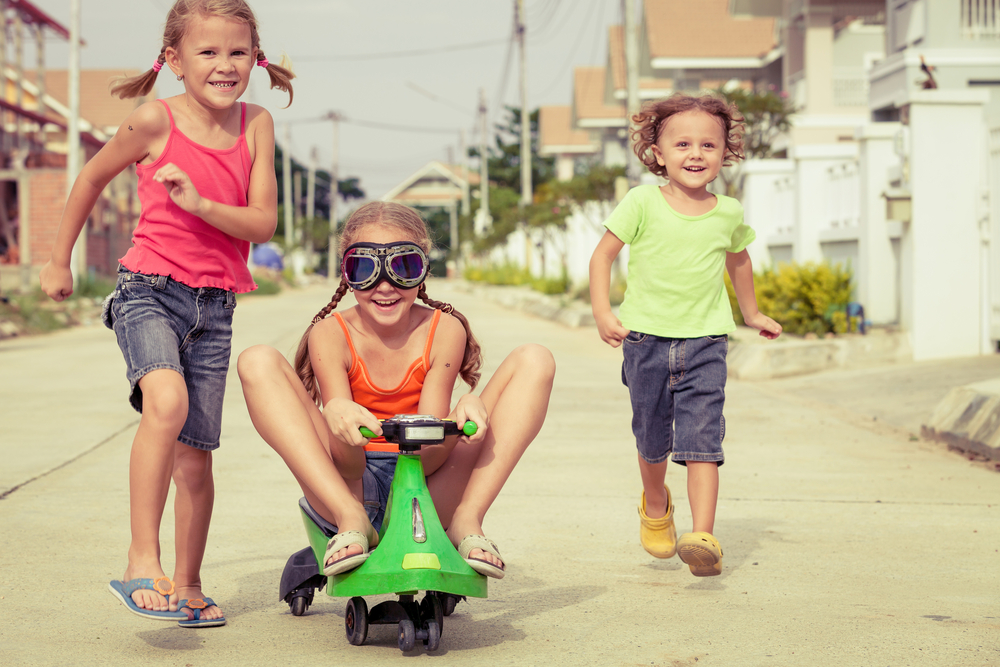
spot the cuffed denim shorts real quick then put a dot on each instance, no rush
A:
(377, 478)
(161, 323)
(678, 389)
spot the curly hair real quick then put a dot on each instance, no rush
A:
(412, 227)
(649, 123)
(185, 11)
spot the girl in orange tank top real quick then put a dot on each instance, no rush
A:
(311, 414)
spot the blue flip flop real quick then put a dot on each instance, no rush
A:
(196, 605)
(123, 591)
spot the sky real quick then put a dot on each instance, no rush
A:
(348, 56)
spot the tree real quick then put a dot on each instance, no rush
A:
(766, 114)
(504, 159)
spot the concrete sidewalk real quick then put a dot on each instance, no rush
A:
(848, 539)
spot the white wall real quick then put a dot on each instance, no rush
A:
(942, 295)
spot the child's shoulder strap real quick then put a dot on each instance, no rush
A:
(170, 114)
(350, 343)
(243, 118)
(430, 337)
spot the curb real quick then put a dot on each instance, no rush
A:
(750, 356)
(968, 420)
(753, 358)
(521, 297)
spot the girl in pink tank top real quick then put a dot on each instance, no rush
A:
(387, 355)
(207, 187)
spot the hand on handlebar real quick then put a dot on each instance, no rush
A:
(345, 418)
(471, 408)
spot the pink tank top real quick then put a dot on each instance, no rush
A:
(169, 241)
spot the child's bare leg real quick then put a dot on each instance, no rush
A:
(193, 503)
(517, 398)
(289, 421)
(703, 494)
(164, 411)
(653, 476)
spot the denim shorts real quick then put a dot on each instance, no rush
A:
(678, 389)
(161, 323)
(377, 478)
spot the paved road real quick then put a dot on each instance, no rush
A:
(848, 541)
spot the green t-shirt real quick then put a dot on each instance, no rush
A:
(676, 264)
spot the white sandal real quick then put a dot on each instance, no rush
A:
(481, 566)
(342, 541)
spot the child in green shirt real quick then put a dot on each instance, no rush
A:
(676, 314)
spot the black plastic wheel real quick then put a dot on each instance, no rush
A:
(433, 636)
(432, 609)
(356, 621)
(299, 604)
(450, 602)
(407, 635)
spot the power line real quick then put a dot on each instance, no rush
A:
(434, 97)
(376, 125)
(401, 54)
(572, 52)
(502, 87)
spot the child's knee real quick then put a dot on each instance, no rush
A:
(164, 398)
(255, 361)
(537, 360)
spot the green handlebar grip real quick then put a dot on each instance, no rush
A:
(470, 428)
(365, 431)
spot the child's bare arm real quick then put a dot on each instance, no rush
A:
(129, 145)
(608, 326)
(435, 396)
(740, 270)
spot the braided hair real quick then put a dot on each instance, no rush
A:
(409, 222)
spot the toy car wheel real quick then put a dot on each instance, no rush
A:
(299, 604)
(356, 621)
(433, 636)
(449, 602)
(407, 635)
(432, 609)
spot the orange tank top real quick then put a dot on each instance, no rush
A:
(385, 403)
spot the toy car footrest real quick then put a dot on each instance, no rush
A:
(328, 528)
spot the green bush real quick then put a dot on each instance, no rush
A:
(268, 282)
(510, 274)
(803, 298)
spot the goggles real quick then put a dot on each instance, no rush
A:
(365, 265)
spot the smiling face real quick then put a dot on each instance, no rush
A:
(215, 57)
(692, 147)
(386, 304)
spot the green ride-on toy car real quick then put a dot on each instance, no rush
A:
(413, 553)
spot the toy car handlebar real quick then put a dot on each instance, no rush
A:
(412, 431)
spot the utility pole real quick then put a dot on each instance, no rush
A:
(286, 185)
(526, 196)
(632, 167)
(485, 220)
(78, 259)
(464, 157)
(307, 228)
(297, 210)
(331, 267)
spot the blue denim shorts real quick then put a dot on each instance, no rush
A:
(678, 389)
(377, 478)
(161, 323)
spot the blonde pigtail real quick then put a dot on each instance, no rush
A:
(303, 364)
(281, 75)
(127, 87)
(472, 360)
